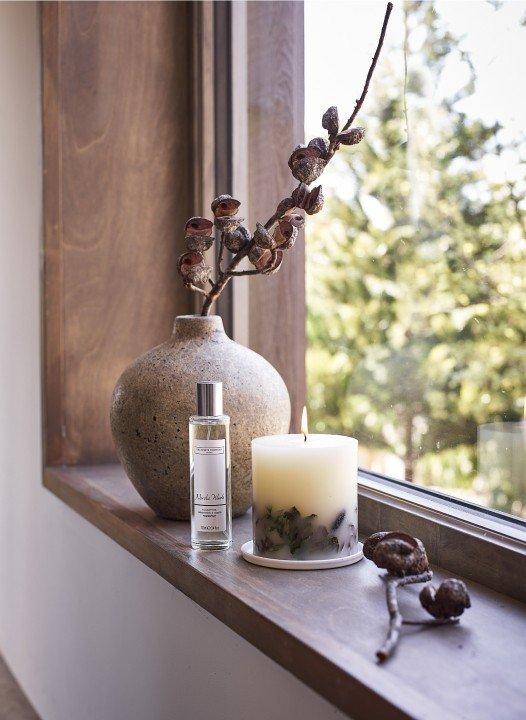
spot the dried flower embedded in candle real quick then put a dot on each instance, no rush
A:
(330, 120)
(300, 194)
(448, 601)
(263, 238)
(351, 137)
(228, 224)
(259, 257)
(225, 206)
(306, 164)
(199, 242)
(198, 226)
(320, 144)
(400, 554)
(314, 202)
(285, 234)
(237, 240)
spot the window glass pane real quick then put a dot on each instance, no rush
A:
(416, 268)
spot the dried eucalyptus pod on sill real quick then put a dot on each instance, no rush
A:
(199, 242)
(448, 601)
(330, 120)
(285, 234)
(228, 224)
(400, 554)
(314, 202)
(351, 137)
(198, 226)
(225, 206)
(263, 238)
(237, 240)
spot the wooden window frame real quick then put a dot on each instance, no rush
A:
(238, 133)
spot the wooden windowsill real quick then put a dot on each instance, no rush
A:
(323, 627)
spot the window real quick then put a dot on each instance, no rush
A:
(416, 269)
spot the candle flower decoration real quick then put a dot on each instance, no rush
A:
(305, 495)
(265, 247)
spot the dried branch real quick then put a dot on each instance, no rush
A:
(376, 55)
(395, 616)
(306, 164)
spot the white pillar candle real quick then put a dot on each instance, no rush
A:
(305, 495)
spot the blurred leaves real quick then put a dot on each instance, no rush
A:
(417, 321)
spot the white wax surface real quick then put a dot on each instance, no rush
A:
(317, 476)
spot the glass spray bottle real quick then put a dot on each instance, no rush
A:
(210, 491)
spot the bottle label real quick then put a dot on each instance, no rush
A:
(209, 486)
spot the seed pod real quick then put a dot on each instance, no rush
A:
(198, 274)
(401, 554)
(308, 169)
(275, 263)
(320, 144)
(263, 238)
(189, 260)
(314, 203)
(448, 601)
(295, 219)
(237, 240)
(228, 224)
(225, 206)
(198, 226)
(369, 545)
(199, 242)
(285, 234)
(284, 205)
(259, 257)
(300, 194)
(351, 137)
(330, 120)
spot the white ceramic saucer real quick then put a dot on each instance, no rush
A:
(247, 551)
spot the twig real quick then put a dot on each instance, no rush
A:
(395, 617)
(196, 289)
(376, 55)
(432, 622)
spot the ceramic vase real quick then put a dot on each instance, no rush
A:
(155, 396)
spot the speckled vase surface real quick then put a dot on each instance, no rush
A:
(155, 396)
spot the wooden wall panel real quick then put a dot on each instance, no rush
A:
(118, 188)
(276, 126)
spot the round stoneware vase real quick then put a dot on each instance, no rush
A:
(155, 396)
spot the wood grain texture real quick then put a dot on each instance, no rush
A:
(117, 190)
(324, 626)
(276, 112)
(481, 555)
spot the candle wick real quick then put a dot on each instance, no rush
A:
(304, 436)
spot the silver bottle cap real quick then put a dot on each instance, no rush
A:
(209, 399)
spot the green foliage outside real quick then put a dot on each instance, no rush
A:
(417, 323)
